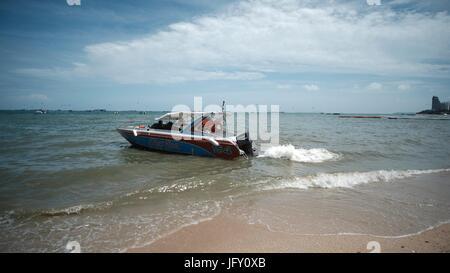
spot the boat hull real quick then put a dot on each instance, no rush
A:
(166, 143)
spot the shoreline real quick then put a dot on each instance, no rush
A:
(225, 233)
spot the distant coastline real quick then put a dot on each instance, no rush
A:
(84, 111)
(431, 112)
(31, 110)
(437, 108)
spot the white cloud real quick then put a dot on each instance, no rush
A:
(78, 69)
(311, 87)
(375, 86)
(284, 86)
(254, 38)
(404, 87)
(34, 97)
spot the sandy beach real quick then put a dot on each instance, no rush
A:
(322, 220)
(227, 234)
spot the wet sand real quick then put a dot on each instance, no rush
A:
(225, 233)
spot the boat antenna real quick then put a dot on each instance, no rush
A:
(224, 115)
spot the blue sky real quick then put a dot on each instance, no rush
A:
(307, 56)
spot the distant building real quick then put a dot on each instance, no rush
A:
(445, 106)
(435, 104)
(437, 107)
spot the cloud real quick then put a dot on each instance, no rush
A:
(252, 39)
(284, 86)
(404, 87)
(311, 87)
(34, 97)
(77, 69)
(401, 2)
(375, 86)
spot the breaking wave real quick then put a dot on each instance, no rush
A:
(348, 180)
(77, 209)
(298, 154)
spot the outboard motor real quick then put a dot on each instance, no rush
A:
(245, 144)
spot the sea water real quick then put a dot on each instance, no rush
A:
(69, 176)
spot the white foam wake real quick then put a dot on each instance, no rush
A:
(300, 155)
(348, 180)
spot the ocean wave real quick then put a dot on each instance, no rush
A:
(350, 179)
(77, 209)
(289, 152)
(177, 187)
(7, 218)
(99, 232)
(139, 194)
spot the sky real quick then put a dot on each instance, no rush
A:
(358, 56)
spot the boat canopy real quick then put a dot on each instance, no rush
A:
(189, 121)
(175, 116)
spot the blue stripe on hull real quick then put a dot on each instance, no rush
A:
(168, 145)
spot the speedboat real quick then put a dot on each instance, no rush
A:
(192, 133)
